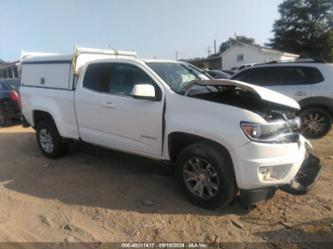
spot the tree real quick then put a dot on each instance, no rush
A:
(306, 28)
(234, 40)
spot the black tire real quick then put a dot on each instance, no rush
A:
(316, 122)
(4, 121)
(225, 186)
(58, 148)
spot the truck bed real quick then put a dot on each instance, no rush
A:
(58, 102)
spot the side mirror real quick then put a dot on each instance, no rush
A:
(143, 91)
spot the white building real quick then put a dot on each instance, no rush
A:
(242, 53)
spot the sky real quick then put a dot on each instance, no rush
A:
(152, 28)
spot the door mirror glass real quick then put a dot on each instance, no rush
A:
(144, 91)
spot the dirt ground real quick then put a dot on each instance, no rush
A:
(94, 194)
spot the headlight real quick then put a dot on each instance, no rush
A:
(275, 132)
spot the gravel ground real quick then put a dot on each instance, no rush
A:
(94, 194)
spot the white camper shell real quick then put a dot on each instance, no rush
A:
(49, 70)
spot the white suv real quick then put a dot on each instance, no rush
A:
(309, 83)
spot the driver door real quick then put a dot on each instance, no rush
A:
(127, 123)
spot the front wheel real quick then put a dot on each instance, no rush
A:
(206, 175)
(49, 140)
(316, 122)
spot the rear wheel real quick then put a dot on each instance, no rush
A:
(4, 121)
(49, 140)
(316, 122)
(205, 173)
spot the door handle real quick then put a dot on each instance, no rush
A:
(109, 104)
(300, 93)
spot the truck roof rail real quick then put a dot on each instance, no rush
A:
(95, 53)
(82, 50)
(77, 51)
(87, 55)
(26, 54)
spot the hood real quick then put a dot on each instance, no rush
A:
(264, 93)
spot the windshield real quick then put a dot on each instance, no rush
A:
(176, 75)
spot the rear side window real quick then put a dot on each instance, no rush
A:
(115, 78)
(297, 75)
(254, 76)
(283, 75)
(97, 77)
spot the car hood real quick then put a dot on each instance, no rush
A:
(264, 93)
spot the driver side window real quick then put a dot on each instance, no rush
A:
(124, 77)
(115, 78)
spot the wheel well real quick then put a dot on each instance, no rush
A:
(39, 116)
(178, 141)
(319, 106)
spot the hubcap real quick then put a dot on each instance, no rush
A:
(46, 141)
(201, 178)
(314, 123)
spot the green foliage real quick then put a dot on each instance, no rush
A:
(234, 40)
(306, 28)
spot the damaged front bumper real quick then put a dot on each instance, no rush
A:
(301, 184)
(305, 177)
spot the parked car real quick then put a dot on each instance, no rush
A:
(242, 67)
(309, 83)
(218, 74)
(9, 102)
(228, 71)
(224, 137)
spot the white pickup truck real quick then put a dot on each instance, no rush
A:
(225, 138)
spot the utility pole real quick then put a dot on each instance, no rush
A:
(176, 55)
(208, 51)
(214, 46)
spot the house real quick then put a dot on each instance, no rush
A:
(242, 53)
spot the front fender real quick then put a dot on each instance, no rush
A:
(217, 122)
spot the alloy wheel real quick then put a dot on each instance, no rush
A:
(201, 178)
(314, 123)
(46, 141)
